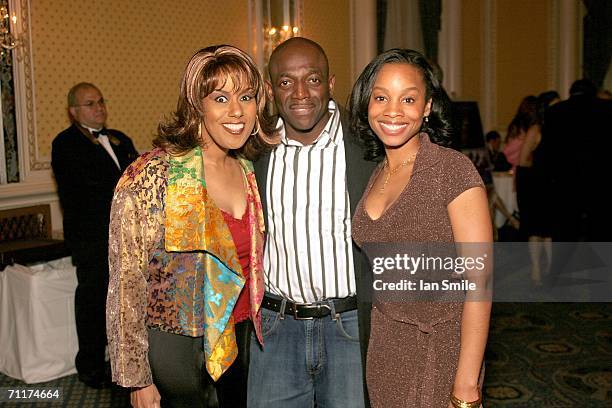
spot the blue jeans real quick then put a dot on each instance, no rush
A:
(304, 362)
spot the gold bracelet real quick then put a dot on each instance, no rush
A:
(457, 403)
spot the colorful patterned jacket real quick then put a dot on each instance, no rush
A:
(173, 264)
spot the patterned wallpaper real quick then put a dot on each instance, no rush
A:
(329, 24)
(133, 50)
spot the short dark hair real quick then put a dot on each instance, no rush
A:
(583, 87)
(208, 70)
(492, 135)
(544, 101)
(438, 127)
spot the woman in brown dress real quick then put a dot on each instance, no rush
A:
(426, 353)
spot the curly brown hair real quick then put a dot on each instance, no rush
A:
(208, 70)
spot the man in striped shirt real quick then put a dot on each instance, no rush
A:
(310, 185)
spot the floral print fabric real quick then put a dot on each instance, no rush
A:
(174, 265)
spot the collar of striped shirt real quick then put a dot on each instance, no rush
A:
(328, 135)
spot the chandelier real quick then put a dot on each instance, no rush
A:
(281, 21)
(8, 41)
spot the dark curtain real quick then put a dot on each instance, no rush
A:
(7, 91)
(597, 40)
(430, 10)
(381, 23)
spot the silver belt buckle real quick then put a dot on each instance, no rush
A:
(317, 306)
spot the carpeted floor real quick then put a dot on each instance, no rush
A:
(550, 355)
(75, 394)
(539, 355)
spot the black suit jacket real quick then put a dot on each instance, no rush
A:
(86, 176)
(574, 155)
(358, 171)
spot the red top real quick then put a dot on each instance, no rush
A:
(242, 241)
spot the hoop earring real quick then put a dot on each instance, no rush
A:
(257, 128)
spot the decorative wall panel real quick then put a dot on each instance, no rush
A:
(328, 23)
(134, 51)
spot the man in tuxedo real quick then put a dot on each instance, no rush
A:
(87, 161)
(575, 151)
(315, 312)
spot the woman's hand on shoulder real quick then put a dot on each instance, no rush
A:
(145, 397)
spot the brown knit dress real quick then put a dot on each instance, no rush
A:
(414, 347)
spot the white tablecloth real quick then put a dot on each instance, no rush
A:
(504, 186)
(37, 327)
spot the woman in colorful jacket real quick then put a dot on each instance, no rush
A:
(186, 239)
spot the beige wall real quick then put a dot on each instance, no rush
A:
(523, 65)
(521, 31)
(133, 50)
(136, 50)
(471, 50)
(328, 23)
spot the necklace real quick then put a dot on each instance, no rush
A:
(391, 171)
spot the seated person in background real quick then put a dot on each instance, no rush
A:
(497, 204)
(481, 159)
(496, 156)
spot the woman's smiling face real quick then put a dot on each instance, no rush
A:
(398, 104)
(229, 116)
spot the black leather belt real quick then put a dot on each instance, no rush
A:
(307, 311)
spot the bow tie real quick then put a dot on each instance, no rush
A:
(101, 132)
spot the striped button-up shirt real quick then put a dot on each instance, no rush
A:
(308, 254)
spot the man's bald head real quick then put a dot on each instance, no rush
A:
(297, 45)
(302, 87)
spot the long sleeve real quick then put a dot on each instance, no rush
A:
(86, 179)
(70, 183)
(127, 292)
